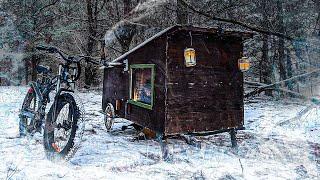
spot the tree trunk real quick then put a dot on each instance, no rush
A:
(281, 55)
(281, 60)
(265, 65)
(125, 32)
(317, 26)
(182, 13)
(127, 6)
(90, 71)
(34, 64)
(26, 70)
(289, 70)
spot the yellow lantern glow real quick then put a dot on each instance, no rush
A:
(244, 64)
(190, 57)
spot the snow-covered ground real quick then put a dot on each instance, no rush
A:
(267, 150)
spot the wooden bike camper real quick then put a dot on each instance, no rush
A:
(161, 88)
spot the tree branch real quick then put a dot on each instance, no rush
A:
(260, 85)
(46, 6)
(102, 6)
(253, 28)
(262, 88)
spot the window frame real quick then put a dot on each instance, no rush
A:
(137, 103)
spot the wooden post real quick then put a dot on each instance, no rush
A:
(163, 146)
(233, 133)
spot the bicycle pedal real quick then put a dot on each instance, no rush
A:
(30, 128)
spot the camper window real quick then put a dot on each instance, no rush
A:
(142, 85)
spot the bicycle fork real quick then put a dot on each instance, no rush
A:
(58, 87)
(59, 78)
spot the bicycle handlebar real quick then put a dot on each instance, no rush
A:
(76, 59)
(53, 50)
(69, 59)
(91, 60)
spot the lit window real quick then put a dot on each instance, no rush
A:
(142, 85)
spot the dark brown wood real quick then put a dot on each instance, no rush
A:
(208, 96)
(115, 85)
(205, 98)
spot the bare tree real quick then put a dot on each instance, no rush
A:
(93, 9)
(182, 13)
(125, 31)
(34, 21)
(281, 54)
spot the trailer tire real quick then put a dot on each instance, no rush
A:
(109, 116)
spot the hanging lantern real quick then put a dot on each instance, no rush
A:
(244, 64)
(190, 57)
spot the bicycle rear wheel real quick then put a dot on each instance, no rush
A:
(27, 113)
(61, 128)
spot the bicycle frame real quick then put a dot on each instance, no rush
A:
(32, 118)
(42, 91)
(42, 94)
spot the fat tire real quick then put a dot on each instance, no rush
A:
(48, 138)
(28, 99)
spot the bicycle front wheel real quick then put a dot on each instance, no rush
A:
(61, 127)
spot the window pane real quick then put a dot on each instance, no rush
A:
(141, 85)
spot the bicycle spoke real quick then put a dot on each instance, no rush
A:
(63, 128)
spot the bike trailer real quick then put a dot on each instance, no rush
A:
(183, 80)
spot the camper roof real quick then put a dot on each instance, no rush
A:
(227, 32)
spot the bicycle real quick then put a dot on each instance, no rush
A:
(65, 119)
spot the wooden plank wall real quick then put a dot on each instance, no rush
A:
(206, 97)
(209, 96)
(116, 86)
(152, 53)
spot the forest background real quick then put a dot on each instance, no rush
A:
(286, 41)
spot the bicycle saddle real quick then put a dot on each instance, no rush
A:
(43, 69)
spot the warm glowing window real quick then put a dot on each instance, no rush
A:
(142, 85)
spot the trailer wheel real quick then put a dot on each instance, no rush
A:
(109, 116)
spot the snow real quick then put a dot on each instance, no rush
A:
(266, 149)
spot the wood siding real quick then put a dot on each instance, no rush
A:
(208, 96)
(116, 86)
(153, 53)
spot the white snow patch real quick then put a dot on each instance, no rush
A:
(266, 150)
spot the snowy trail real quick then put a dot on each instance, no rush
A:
(266, 150)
